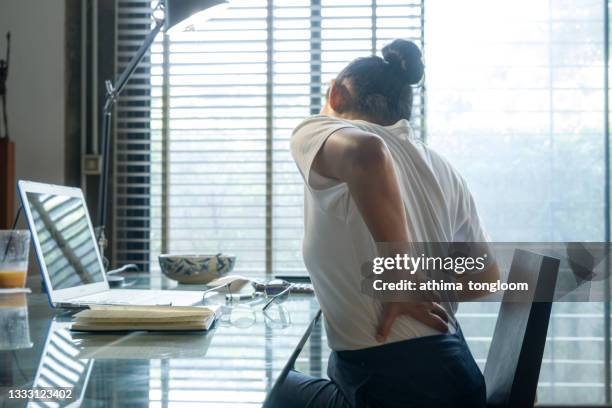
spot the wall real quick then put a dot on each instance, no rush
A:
(36, 97)
(36, 108)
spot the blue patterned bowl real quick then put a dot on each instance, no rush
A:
(196, 268)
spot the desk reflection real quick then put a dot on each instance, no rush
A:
(233, 365)
(61, 367)
(14, 322)
(142, 345)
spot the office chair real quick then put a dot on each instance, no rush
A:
(515, 356)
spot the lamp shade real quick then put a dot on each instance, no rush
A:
(178, 11)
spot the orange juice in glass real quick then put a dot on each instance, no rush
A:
(14, 252)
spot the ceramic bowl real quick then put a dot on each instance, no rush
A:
(196, 268)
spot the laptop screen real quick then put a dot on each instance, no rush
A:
(68, 245)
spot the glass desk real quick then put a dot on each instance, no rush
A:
(234, 365)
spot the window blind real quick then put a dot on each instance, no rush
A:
(133, 155)
(218, 176)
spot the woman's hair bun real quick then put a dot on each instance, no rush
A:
(405, 57)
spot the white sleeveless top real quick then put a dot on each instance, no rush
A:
(439, 208)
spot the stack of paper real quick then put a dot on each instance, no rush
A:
(130, 318)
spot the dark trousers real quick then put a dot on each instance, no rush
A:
(434, 371)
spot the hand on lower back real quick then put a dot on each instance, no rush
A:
(429, 313)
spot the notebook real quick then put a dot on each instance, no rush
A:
(153, 318)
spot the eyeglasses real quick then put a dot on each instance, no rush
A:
(240, 309)
(277, 297)
(276, 316)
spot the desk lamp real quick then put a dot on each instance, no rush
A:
(169, 14)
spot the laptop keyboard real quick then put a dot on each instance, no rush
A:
(138, 297)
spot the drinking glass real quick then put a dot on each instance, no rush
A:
(14, 252)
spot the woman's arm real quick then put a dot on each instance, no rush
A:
(363, 161)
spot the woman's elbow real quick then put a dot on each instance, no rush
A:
(492, 274)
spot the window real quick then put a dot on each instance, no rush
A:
(515, 101)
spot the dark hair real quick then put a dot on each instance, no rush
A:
(380, 88)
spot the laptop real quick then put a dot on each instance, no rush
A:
(68, 255)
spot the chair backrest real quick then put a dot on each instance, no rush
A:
(515, 356)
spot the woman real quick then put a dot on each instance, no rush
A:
(369, 181)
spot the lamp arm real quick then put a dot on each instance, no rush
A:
(133, 64)
(112, 92)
